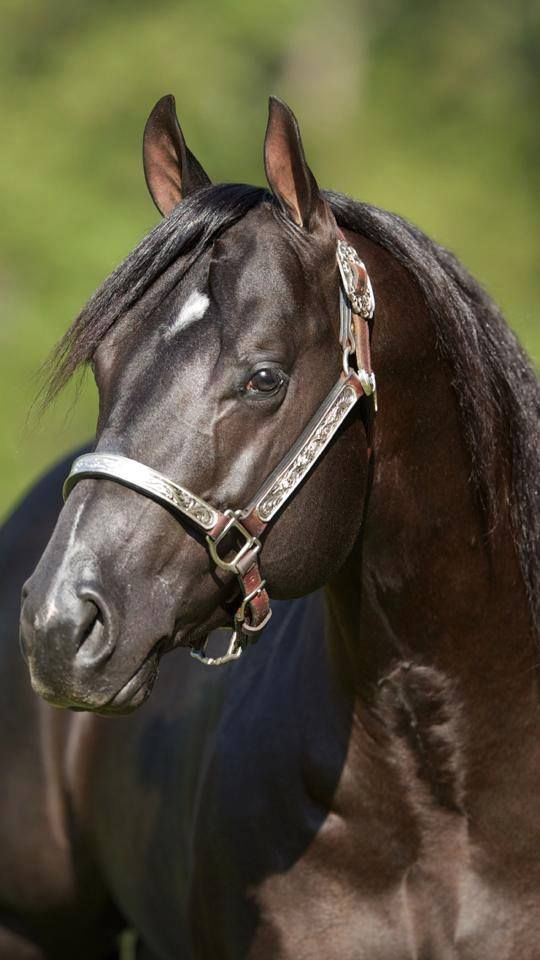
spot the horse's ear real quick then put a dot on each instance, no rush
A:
(170, 169)
(288, 174)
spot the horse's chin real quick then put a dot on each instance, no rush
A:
(138, 688)
(133, 693)
(78, 695)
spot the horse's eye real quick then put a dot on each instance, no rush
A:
(265, 381)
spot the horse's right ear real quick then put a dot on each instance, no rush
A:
(287, 172)
(170, 169)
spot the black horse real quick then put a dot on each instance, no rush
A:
(364, 781)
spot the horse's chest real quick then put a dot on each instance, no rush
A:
(278, 878)
(423, 917)
(315, 844)
(291, 880)
(308, 847)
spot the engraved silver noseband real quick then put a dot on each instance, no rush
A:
(357, 306)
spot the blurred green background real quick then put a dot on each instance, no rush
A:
(426, 108)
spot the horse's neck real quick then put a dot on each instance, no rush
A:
(429, 621)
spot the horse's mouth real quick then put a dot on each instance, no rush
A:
(138, 688)
(135, 691)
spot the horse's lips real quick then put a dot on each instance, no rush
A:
(136, 690)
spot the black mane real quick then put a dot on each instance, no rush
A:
(497, 391)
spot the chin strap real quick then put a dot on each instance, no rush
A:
(357, 306)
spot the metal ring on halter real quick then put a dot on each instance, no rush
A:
(251, 543)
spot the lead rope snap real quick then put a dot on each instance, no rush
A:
(241, 635)
(234, 651)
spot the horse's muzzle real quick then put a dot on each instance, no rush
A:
(66, 638)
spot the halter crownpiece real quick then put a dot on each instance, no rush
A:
(357, 307)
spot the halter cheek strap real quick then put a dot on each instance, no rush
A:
(357, 305)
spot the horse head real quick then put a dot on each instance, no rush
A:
(212, 347)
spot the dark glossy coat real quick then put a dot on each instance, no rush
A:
(363, 784)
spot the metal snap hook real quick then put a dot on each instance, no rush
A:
(234, 652)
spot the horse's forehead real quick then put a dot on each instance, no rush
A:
(256, 258)
(259, 240)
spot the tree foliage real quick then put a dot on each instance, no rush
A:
(426, 108)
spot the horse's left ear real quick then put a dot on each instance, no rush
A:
(170, 169)
(288, 174)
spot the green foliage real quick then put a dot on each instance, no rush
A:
(422, 107)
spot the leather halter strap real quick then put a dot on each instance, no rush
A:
(357, 305)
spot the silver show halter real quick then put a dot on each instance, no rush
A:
(357, 306)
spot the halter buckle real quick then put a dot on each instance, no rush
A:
(240, 616)
(251, 544)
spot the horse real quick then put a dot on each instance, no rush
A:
(363, 780)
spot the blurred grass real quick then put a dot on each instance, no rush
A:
(422, 108)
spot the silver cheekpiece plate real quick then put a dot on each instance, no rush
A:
(309, 453)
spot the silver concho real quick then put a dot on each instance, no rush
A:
(362, 302)
(309, 452)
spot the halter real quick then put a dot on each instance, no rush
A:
(357, 306)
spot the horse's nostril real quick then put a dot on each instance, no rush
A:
(91, 617)
(73, 627)
(95, 641)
